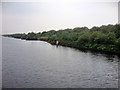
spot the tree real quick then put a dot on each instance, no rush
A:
(118, 44)
(31, 35)
(111, 38)
(95, 28)
(53, 37)
(84, 38)
(117, 30)
(98, 37)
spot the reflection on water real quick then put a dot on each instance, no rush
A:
(37, 64)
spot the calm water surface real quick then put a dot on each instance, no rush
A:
(37, 64)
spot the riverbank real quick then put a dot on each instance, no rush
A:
(85, 49)
(105, 38)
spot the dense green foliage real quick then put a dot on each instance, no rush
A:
(105, 37)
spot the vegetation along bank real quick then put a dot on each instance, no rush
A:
(104, 38)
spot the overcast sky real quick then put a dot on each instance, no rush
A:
(18, 17)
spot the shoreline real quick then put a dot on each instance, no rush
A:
(105, 38)
(80, 47)
(91, 49)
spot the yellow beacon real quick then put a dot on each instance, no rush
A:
(57, 42)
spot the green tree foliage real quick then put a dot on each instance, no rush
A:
(117, 30)
(105, 37)
(38, 35)
(111, 38)
(53, 38)
(98, 37)
(31, 35)
(118, 43)
(78, 29)
(85, 38)
(95, 29)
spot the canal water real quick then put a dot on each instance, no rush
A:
(38, 64)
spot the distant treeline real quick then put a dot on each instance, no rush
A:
(105, 37)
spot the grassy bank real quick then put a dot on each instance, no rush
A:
(104, 38)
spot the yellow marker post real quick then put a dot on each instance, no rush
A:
(57, 42)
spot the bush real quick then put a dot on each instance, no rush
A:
(118, 44)
(84, 39)
(98, 37)
(111, 38)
